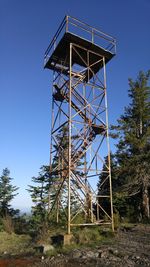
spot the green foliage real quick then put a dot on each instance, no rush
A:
(39, 195)
(49, 193)
(21, 224)
(60, 163)
(7, 194)
(16, 244)
(103, 183)
(132, 189)
(116, 220)
(130, 164)
(53, 252)
(7, 224)
(87, 235)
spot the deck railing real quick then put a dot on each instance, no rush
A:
(84, 31)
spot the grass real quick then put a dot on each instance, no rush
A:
(62, 249)
(85, 238)
(15, 244)
(87, 235)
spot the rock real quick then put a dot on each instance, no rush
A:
(47, 248)
(115, 252)
(44, 248)
(84, 257)
(137, 257)
(96, 254)
(90, 254)
(76, 254)
(102, 253)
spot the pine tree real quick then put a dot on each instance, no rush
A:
(49, 192)
(133, 148)
(7, 194)
(103, 185)
(39, 196)
(44, 189)
(59, 177)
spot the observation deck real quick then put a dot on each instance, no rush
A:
(85, 38)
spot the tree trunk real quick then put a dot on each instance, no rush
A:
(146, 208)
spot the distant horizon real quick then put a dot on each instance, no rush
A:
(23, 210)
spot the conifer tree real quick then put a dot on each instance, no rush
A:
(39, 196)
(44, 191)
(103, 186)
(133, 148)
(7, 194)
(57, 177)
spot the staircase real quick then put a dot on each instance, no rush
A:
(79, 104)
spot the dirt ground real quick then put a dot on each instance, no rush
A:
(129, 247)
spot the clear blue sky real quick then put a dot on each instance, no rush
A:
(26, 27)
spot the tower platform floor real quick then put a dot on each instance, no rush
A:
(59, 59)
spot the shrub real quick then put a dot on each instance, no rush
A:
(7, 223)
(87, 236)
(16, 244)
(116, 220)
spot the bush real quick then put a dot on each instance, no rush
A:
(87, 235)
(7, 224)
(16, 244)
(116, 220)
(21, 224)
